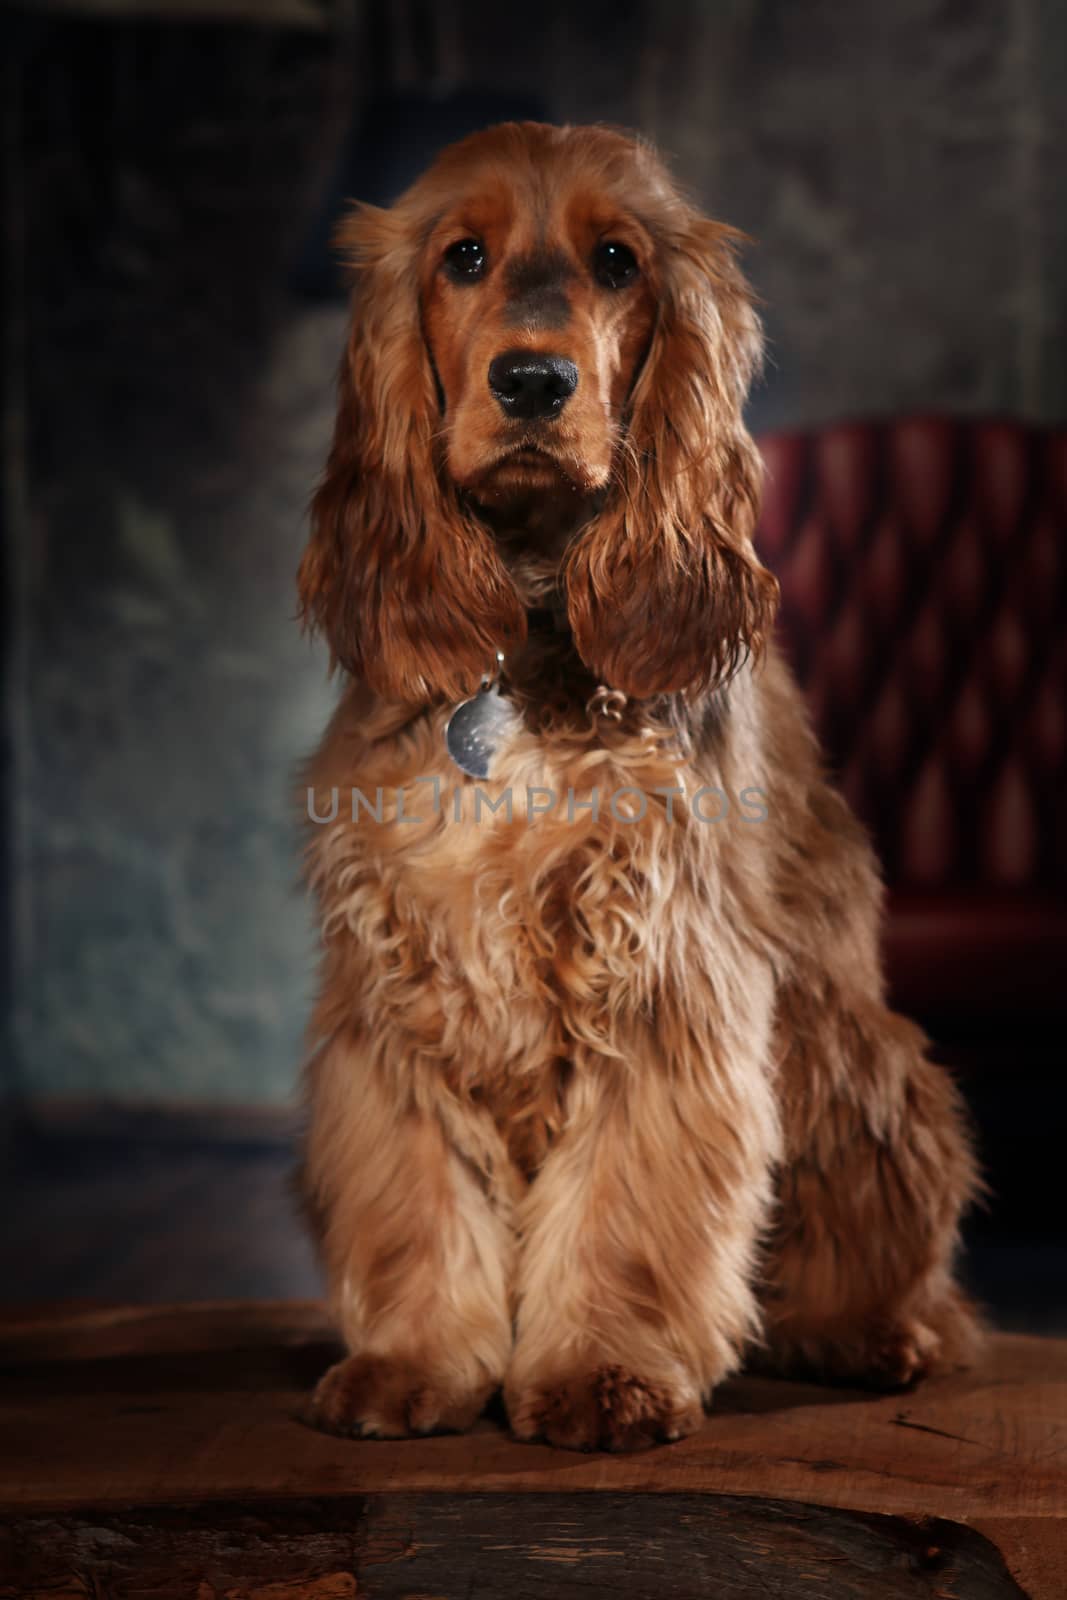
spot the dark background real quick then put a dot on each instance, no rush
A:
(171, 330)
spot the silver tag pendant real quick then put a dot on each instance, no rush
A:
(476, 729)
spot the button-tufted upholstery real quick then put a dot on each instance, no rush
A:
(923, 566)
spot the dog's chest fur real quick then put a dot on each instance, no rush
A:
(503, 933)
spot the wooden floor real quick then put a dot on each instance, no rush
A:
(163, 1452)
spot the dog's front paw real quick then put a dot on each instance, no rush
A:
(603, 1408)
(384, 1397)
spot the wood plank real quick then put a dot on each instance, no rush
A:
(157, 1405)
(1034, 1551)
(412, 1547)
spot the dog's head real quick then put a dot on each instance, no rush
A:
(543, 329)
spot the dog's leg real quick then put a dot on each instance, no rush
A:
(877, 1169)
(416, 1251)
(639, 1238)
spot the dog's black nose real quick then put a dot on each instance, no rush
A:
(528, 384)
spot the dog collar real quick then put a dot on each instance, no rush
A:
(477, 727)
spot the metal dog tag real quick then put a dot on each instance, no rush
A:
(476, 729)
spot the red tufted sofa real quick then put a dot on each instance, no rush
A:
(923, 566)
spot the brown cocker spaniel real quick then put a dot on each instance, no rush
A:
(604, 1094)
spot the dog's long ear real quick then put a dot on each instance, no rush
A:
(408, 590)
(664, 589)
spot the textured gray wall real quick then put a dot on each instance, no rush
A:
(900, 167)
(168, 954)
(178, 412)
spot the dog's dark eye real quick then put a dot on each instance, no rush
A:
(614, 264)
(465, 260)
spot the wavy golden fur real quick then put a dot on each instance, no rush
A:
(603, 1093)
